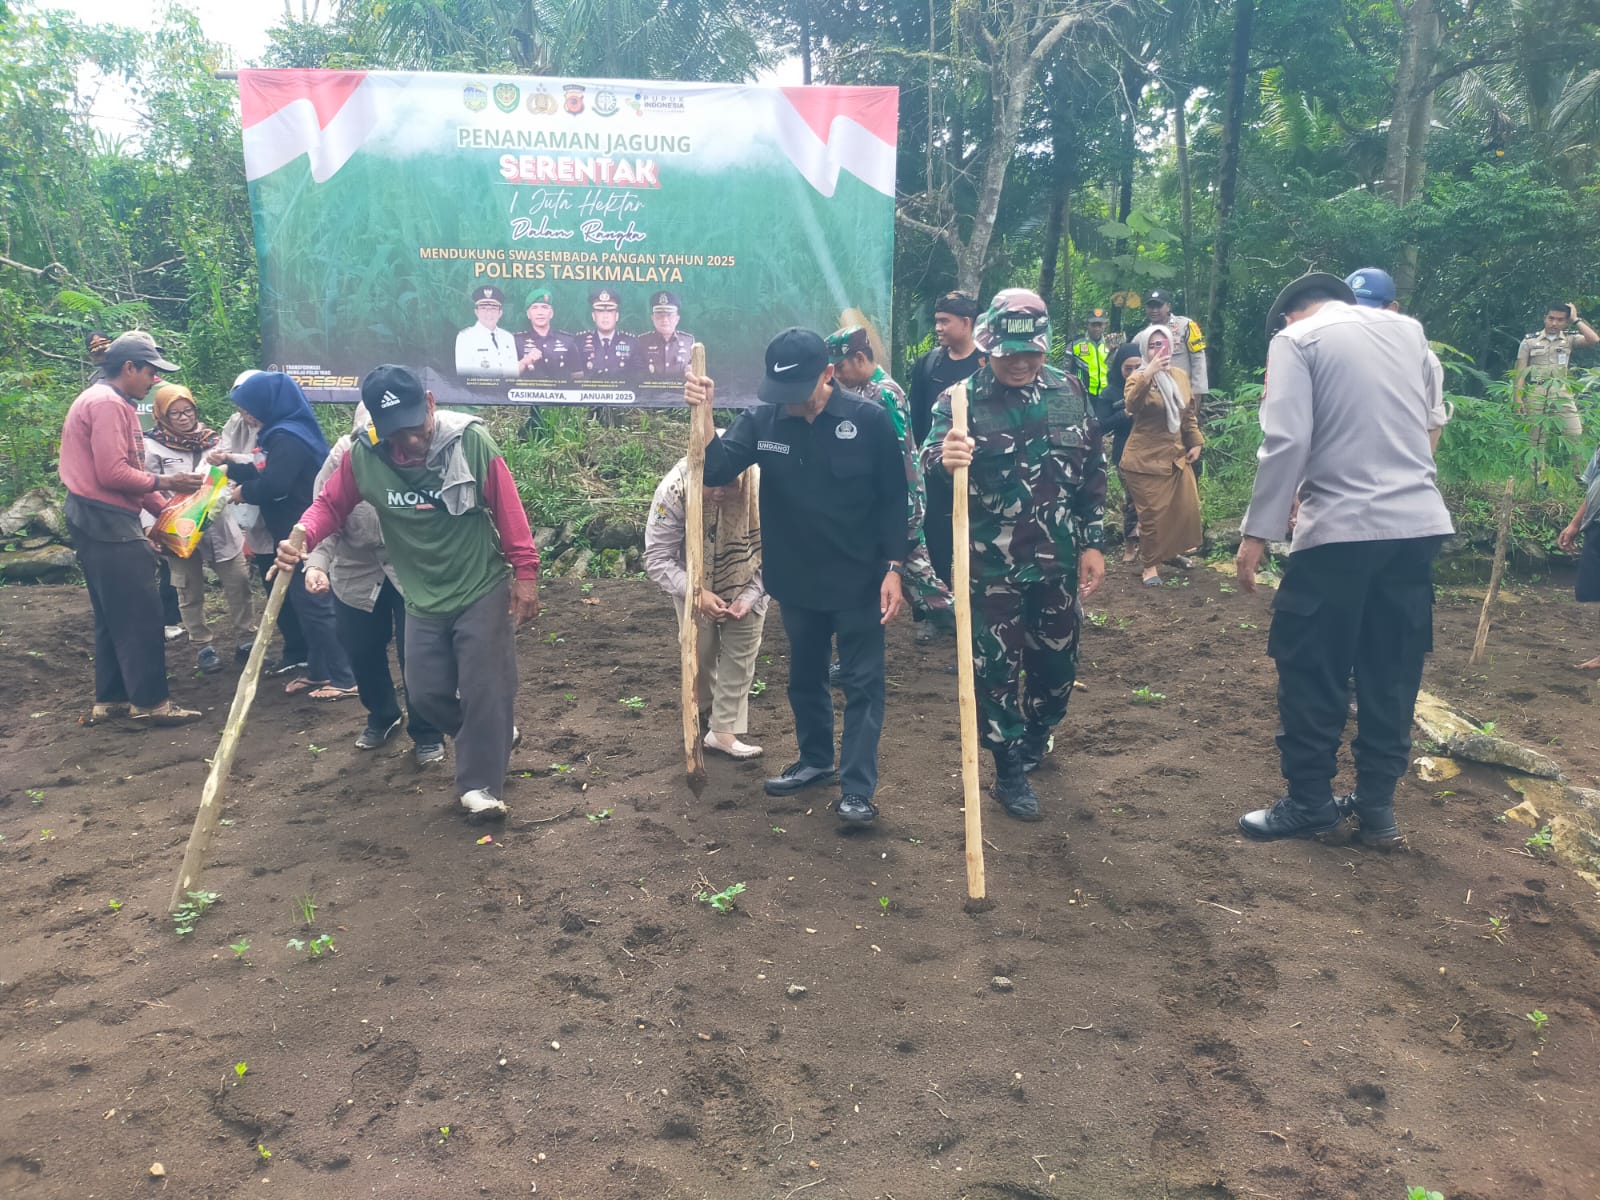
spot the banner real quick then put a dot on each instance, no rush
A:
(555, 241)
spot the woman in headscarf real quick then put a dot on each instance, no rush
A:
(280, 481)
(176, 443)
(1158, 461)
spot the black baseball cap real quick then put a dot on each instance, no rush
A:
(1288, 299)
(796, 359)
(394, 398)
(1158, 297)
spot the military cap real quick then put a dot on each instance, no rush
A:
(488, 294)
(1097, 316)
(1295, 289)
(852, 339)
(663, 302)
(1017, 323)
(603, 298)
(539, 296)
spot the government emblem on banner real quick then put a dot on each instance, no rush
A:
(574, 97)
(541, 103)
(507, 96)
(475, 98)
(605, 103)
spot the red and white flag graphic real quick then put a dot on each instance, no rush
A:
(324, 114)
(828, 130)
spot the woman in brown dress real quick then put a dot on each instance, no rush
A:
(1157, 465)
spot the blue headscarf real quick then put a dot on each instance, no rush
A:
(275, 400)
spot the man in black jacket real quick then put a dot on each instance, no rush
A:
(833, 531)
(955, 358)
(1114, 420)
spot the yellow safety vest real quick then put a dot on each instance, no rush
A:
(1093, 355)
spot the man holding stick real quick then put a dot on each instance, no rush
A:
(1038, 494)
(833, 521)
(458, 539)
(1349, 421)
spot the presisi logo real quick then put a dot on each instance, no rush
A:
(417, 500)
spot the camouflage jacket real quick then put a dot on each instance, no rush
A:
(1038, 476)
(884, 390)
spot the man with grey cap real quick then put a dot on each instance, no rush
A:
(1347, 423)
(483, 349)
(102, 467)
(664, 349)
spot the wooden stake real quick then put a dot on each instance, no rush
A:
(961, 588)
(694, 544)
(1502, 535)
(205, 821)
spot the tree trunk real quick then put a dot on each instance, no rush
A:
(1410, 119)
(1244, 16)
(1180, 132)
(1060, 191)
(1052, 243)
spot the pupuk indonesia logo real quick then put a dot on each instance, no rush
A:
(573, 98)
(507, 96)
(474, 97)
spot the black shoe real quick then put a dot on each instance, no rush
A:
(1011, 786)
(1035, 744)
(242, 650)
(856, 810)
(797, 777)
(1375, 822)
(834, 671)
(924, 634)
(1290, 818)
(377, 733)
(208, 660)
(429, 753)
(285, 665)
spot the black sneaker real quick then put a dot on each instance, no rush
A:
(377, 733)
(856, 810)
(797, 777)
(208, 660)
(429, 753)
(284, 666)
(1291, 818)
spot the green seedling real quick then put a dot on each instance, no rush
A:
(1541, 842)
(305, 907)
(240, 947)
(194, 907)
(883, 905)
(634, 704)
(1421, 1193)
(561, 768)
(765, 660)
(114, 905)
(570, 697)
(587, 588)
(316, 947)
(1487, 728)
(1498, 928)
(36, 795)
(595, 818)
(47, 835)
(241, 1069)
(757, 687)
(779, 829)
(444, 1134)
(722, 901)
(1539, 1020)
(262, 1152)
(1143, 695)
(1226, 590)
(1246, 625)
(553, 638)
(314, 748)
(914, 841)
(1099, 619)
(1500, 818)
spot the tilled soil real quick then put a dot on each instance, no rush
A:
(1180, 1014)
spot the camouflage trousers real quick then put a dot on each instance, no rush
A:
(925, 591)
(1025, 652)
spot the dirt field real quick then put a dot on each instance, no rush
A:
(1188, 1017)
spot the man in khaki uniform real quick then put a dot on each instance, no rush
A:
(1541, 385)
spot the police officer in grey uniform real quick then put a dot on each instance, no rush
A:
(544, 352)
(1543, 362)
(665, 350)
(484, 350)
(604, 352)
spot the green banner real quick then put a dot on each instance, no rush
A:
(548, 241)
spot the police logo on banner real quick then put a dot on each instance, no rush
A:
(507, 96)
(474, 97)
(573, 93)
(845, 430)
(541, 103)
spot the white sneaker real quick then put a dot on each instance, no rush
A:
(174, 632)
(516, 737)
(480, 802)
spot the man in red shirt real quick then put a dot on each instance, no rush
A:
(102, 466)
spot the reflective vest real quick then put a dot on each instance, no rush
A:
(1093, 355)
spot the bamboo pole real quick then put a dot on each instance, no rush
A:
(205, 821)
(1502, 535)
(694, 544)
(961, 587)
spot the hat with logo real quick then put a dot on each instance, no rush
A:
(1373, 287)
(852, 339)
(663, 302)
(539, 296)
(1297, 290)
(1017, 323)
(136, 346)
(395, 399)
(1098, 316)
(604, 298)
(796, 359)
(488, 294)
(1157, 298)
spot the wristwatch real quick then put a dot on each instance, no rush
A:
(898, 568)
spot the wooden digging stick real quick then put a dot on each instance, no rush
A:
(694, 544)
(961, 586)
(205, 821)
(1502, 535)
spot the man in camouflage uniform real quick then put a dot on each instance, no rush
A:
(1037, 480)
(665, 350)
(544, 352)
(1092, 351)
(603, 352)
(855, 368)
(1541, 386)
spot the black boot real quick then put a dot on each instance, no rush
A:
(1035, 744)
(1375, 820)
(1289, 818)
(1011, 786)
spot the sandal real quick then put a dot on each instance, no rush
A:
(167, 713)
(328, 692)
(301, 684)
(1152, 581)
(107, 712)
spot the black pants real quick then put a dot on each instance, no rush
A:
(294, 638)
(169, 594)
(130, 645)
(1362, 606)
(811, 633)
(938, 521)
(366, 637)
